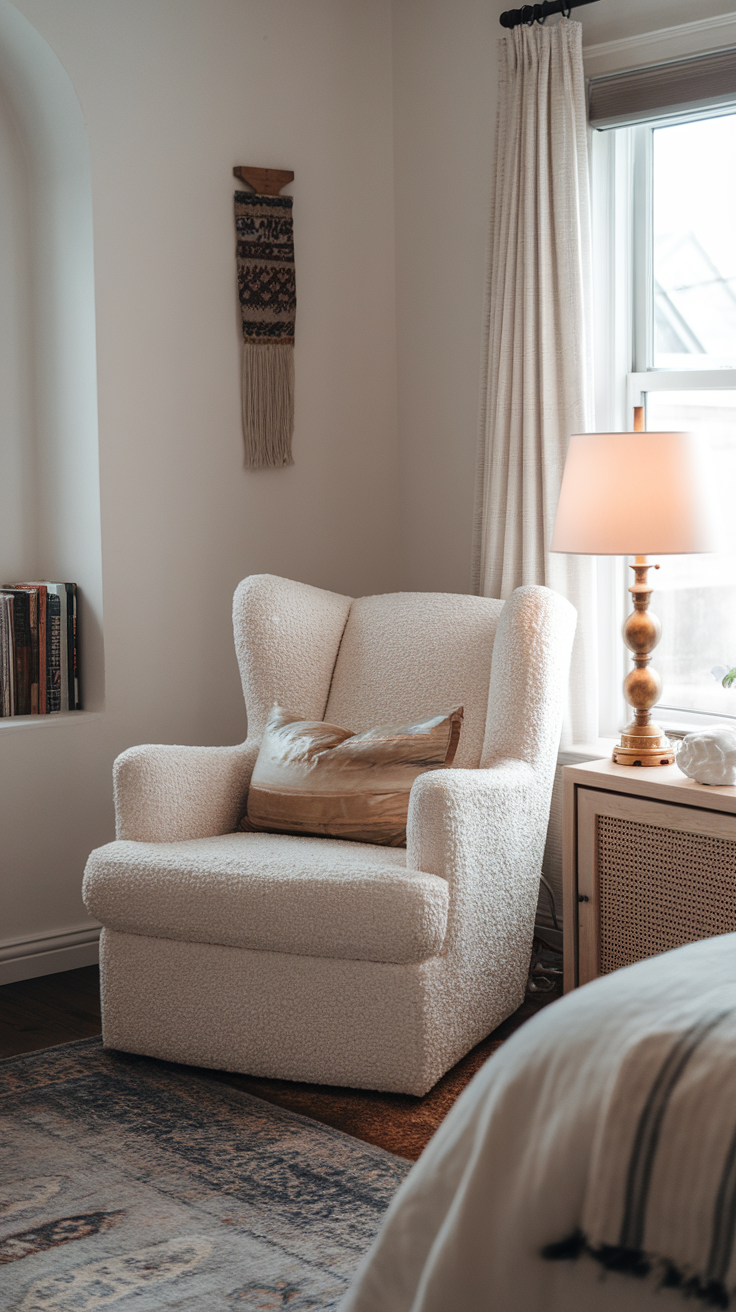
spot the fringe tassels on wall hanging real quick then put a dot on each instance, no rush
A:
(267, 293)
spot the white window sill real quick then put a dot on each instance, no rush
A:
(675, 724)
(592, 751)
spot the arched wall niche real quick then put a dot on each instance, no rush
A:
(49, 489)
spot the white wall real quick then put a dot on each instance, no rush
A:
(444, 96)
(48, 392)
(174, 93)
(18, 494)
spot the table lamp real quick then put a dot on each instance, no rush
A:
(636, 494)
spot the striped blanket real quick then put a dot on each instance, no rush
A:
(661, 1193)
(606, 1126)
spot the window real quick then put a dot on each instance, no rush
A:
(664, 215)
(693, 207)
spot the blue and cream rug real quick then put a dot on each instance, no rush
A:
(128, 1183)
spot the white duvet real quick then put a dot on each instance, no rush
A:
(508, 1169)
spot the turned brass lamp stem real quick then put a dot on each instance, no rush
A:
(642, 741)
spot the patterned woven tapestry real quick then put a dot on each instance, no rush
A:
(267, 292)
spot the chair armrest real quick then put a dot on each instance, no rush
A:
(484, 832)
(166, 794)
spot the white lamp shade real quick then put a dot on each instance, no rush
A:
(627, 494)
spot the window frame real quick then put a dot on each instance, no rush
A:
(623, 332)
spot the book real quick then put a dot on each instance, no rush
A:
(71, 643)
(33, 621)
(7, 656)
(60, 590)
(40, 591)
(77, 697)
(22, 649)
(38, 643)
(53, 651)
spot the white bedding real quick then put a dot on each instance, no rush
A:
(507, 1171)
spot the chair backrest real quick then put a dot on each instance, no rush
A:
(400, 657)
(407, 655)
(287, 636)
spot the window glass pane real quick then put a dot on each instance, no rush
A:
(695, 596)
(694, 253)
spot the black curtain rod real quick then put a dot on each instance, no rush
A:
(530, 14)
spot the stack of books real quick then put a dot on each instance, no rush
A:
(38, 649)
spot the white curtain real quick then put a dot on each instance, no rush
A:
(539, 381)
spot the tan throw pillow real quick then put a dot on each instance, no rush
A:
(315, 778)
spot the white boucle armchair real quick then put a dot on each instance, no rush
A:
(318, 959)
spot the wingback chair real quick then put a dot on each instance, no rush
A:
(324, 960)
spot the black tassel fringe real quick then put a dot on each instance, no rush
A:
(634, 1262)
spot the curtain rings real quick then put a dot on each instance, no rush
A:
(532, 14)
(566, 12)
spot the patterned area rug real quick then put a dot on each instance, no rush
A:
(135, 1184)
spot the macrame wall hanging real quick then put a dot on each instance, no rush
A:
(267, 292)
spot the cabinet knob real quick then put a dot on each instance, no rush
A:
(583, 897)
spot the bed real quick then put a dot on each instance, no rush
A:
(516, 1167)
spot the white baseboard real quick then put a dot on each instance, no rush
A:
(25, 958)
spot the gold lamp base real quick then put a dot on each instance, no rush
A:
(648, 746)
(642, 741)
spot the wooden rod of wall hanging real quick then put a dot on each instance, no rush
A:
(265, 182)
(530, 14)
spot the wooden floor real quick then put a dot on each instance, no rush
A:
(40, 1013)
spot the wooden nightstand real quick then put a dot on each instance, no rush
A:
(648, 863)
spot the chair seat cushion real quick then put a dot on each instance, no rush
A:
(317, 897)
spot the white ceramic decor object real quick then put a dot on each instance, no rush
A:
(709, 755)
